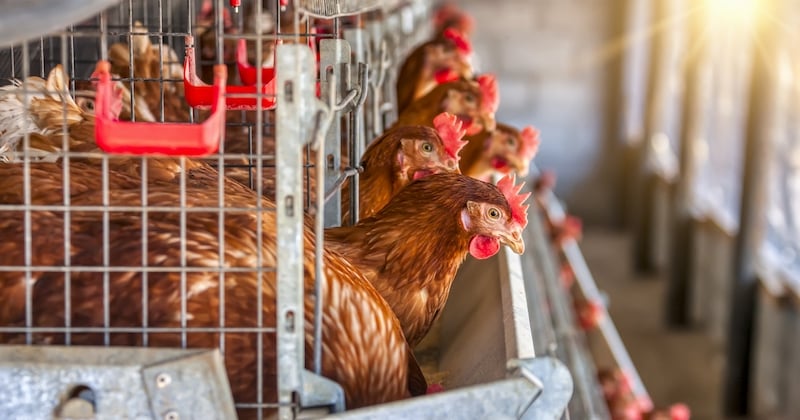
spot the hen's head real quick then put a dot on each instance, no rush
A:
(509, 150)
(424, 151)
(473, 102)
(490, 224)
(449, 57)
(450, 16)
(476, 214)
(419, 151)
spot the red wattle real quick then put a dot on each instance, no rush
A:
(445, 76)
(421, 174)
(471, 128)
(483, 247)
(499, 163)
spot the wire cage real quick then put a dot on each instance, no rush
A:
(144, 152)
(167, 169)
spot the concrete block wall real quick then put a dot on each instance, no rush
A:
(553, 64)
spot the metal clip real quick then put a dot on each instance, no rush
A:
(376, 84)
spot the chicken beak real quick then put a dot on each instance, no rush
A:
(514, 241)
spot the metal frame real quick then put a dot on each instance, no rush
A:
(537, 388)
(84, 382)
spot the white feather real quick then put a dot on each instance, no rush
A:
(15, 119)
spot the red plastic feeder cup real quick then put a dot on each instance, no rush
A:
(247, 72)
(164, 139)
(200, 95)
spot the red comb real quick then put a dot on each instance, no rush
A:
(206, 8)
(679, 412)
(625, 382)
(569, 228)
(519, 210)
(530, 142)
(631, 411)
(446, 11)
(489, 95)
(445, 76)
(645, 404)
(590, 314)
(463, 45)
(449, 128)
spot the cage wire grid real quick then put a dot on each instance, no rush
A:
(165, 24)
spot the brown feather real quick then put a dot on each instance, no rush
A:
(416, 75)
(154, 64)
(383, 176)
(363, 345)
(472, 153)
(462, 98)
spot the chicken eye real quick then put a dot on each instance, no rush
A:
(511, 142)
(493, 213)
(469, 97)
(427, 147)
(86, 104)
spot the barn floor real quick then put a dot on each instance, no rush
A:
(675, 365)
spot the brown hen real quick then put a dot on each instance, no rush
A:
(161, 70)
(502, 151)
(473, 102)
(402, 155)
(445, 57)
(448, 15)
(363, 345)
(411, 249)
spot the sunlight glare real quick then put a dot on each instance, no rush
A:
(733, 11)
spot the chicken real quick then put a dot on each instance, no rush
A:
(443, 58)
(448, 15)
(161, 70)
(590, 313)
(624, 405)
(363, 345)
(40, 106)
(411, 249)
(674, 412)
(502, 151)
(402, 155)
(51, 115)
(473, 102)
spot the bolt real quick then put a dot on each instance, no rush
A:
(163, 380)
(172, 415)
